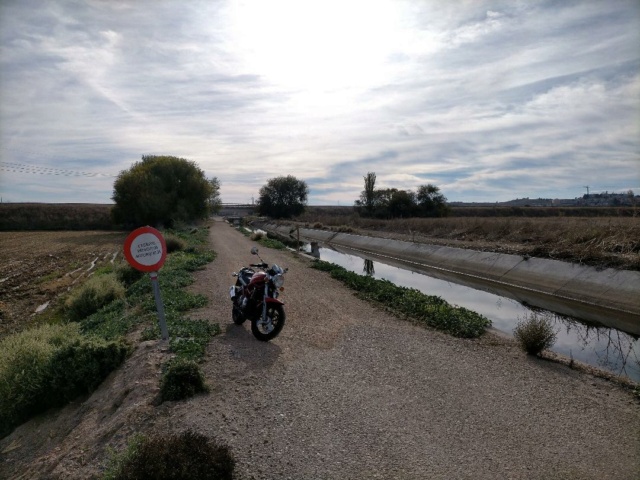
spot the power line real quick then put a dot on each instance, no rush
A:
(41, 170)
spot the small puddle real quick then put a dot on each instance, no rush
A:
(607, 348)
(42, 307)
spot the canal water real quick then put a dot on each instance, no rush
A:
(603, 347)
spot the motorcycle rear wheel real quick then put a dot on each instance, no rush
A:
(266, 331)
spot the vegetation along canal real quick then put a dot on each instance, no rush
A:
(585, 341)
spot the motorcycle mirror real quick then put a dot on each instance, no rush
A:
(254, 250)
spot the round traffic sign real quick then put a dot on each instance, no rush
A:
(145, 249)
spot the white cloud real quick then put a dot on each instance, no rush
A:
(468, 95)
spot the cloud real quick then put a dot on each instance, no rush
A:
(489, 100)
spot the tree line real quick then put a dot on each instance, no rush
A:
(427, 201)
(167, 190)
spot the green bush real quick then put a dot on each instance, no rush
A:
(47, 366)
(179, 456)
(127, 275)
(174, 243)
(182, 379)
(94, 294)
(535, 334)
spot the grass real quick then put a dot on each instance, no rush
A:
(95, 293)
(426, 309)
(52, 216)
(264, 240)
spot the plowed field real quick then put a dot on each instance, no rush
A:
(38, 268)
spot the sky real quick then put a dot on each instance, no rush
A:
(488, 100)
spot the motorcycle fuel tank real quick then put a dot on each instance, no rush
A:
(257, 278)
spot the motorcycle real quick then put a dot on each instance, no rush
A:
(255, 298)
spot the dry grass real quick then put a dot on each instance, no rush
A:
(599, 241)
(54, 216)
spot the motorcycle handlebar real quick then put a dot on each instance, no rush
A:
(258, 265)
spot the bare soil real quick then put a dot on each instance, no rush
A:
(347, 391)
(40, 267)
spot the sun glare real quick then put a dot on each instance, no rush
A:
(318, 46)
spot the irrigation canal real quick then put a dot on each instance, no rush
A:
(584, 339)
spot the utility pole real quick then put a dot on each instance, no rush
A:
(587, 187)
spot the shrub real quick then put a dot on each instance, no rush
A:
(182, 379)
(47, 366)
(178, 456)
(272, 243)
(534, 333)
(127, 275)
(174, 243)
(96, 292)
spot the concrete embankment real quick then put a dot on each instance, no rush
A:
(617, 290)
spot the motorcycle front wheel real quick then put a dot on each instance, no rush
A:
(236, 315)
(266, 330)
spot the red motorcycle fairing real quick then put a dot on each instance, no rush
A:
(274, 300)
(258, 277)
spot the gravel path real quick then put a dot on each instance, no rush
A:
(348, 391)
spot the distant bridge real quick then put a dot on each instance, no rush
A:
(236, 209)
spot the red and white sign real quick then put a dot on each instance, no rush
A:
(145, 249)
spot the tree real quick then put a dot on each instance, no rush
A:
(368, 195)
(214, 201)
(160, 191)
(283, 197)
(432, 203)
(402, 204)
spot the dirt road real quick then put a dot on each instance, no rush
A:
(347, 391)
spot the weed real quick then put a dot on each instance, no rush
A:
(97, 292)
(104, 270)
(272, 243)
(47, 366)
(174, 243)
(182, 379)
(189, 338)
(534, 333)
(127, 275)
(428, 309)
(164, 457)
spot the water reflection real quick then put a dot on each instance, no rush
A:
(314, 249)
(600, 346)
(369, 268)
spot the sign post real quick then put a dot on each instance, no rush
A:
(146, 250)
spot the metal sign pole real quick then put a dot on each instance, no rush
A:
(159, 305)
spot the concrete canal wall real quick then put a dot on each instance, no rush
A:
(610, 288)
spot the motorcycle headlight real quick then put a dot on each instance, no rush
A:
(278, 280)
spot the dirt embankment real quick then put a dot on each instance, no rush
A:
(348, 391)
